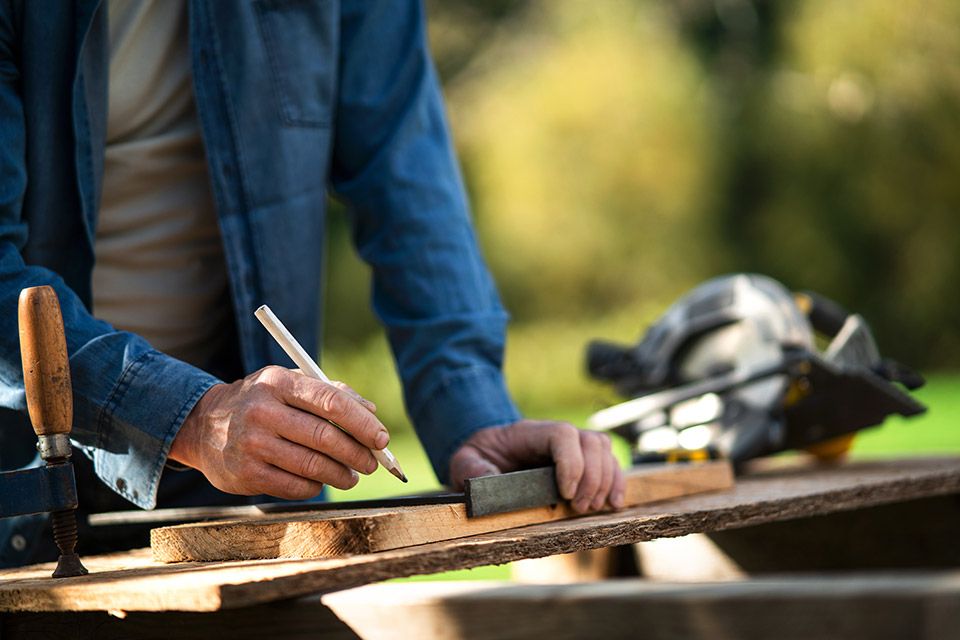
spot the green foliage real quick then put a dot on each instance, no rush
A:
(586, 146)
(618, 152)
(852, 140)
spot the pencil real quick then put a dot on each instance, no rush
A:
(309, 367)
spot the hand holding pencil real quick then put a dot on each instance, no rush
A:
(283, 433)
(309, 367)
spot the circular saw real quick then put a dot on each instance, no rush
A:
(734, 367)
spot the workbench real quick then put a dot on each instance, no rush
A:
(881, 515)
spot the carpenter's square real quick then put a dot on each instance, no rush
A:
(483, 496)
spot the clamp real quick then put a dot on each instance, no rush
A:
(46, 379)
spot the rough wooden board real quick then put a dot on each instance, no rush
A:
(133, 582)
(872, 606)
(329, 534)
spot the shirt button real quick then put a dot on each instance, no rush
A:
(18, 542)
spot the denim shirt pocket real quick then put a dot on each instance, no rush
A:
(301, 39)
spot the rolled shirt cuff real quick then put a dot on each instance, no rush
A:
(141, 418)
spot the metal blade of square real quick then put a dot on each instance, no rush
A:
(513, 491)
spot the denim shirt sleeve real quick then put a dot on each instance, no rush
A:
(129, 400)
(394, 166)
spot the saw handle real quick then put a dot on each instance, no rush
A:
(826, 316)
(46, 368)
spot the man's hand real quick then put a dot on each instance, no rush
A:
(266, 434)
(587, 472)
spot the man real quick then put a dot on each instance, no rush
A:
(166, 171)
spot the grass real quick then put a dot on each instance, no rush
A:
(935, 432)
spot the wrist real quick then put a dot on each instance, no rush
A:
(185, 443)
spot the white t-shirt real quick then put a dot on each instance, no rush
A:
(160, 269)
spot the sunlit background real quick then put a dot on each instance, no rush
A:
(619, 152)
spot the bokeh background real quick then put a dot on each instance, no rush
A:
(619, 152)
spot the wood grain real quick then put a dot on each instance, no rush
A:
(342, 533)
(46, 369)
(134, 582)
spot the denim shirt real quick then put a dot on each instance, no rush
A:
(296, 100)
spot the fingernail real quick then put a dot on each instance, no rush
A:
(355, 476)
(580, 506)
(382, 439)
(570, 490)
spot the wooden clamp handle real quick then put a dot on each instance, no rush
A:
(46, 369)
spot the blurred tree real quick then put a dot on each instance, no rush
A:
(869, 155)
(460, 31)
(842, 146)
(587, 148)
(620, 151)
(737, 42)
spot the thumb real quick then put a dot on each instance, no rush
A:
(468, 462)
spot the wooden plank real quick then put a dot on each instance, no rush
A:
(340, 533)
(134, 582)
(302, 619)
(924, 606)
(918, 534)
(874, 606)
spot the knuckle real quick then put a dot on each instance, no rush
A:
(591, 479)
(272, 372)
(323, 435)
(262, 376)
(345, 479)
(268, 379)
(254, 412)
(609, 478)
(331, 401)
(257, 386)
(311, 465)
(295, 489)
(367, 462)
(567, 430)
(254, 477)
(565, 433)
